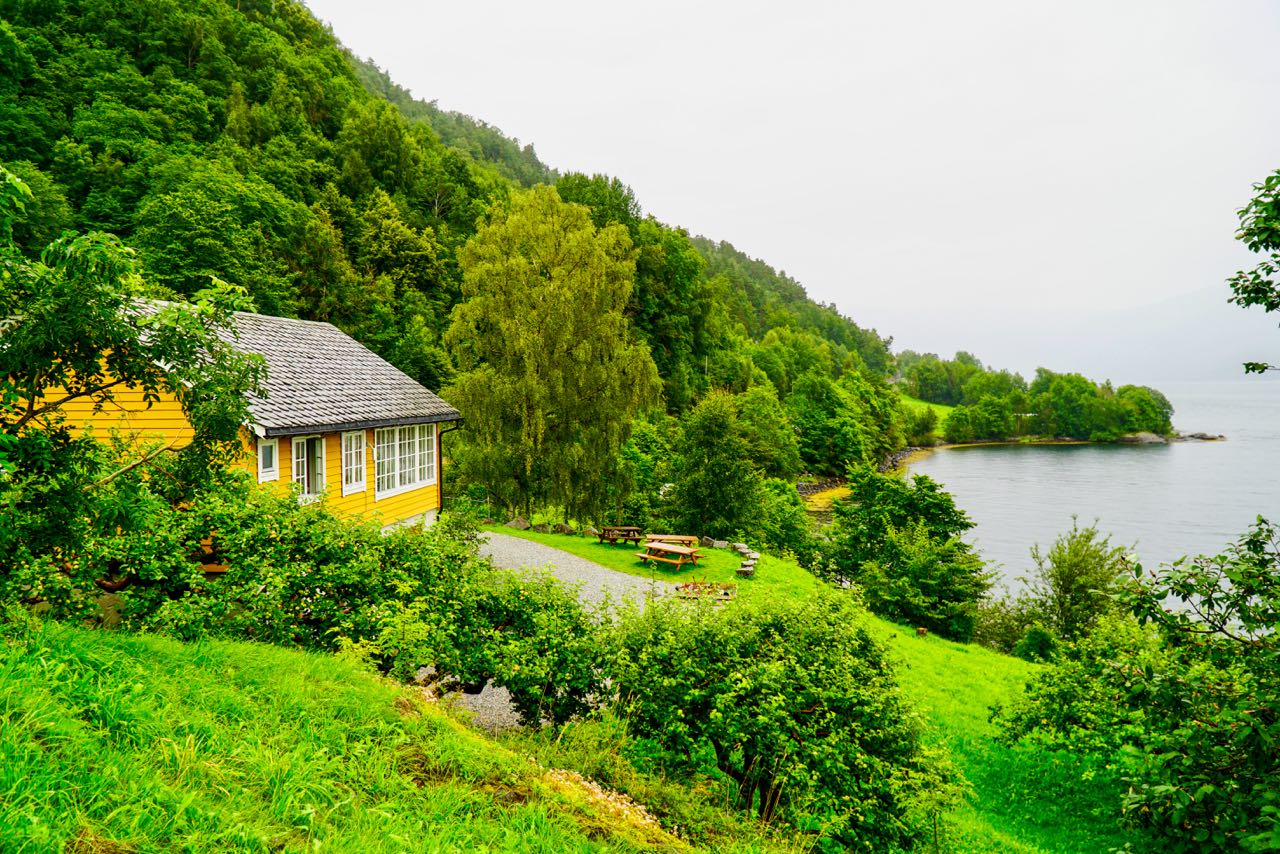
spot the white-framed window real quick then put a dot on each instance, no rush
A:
(308, 465)
(353, 462)
(268, 460)
(404, 458)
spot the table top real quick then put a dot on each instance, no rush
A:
(669, 548)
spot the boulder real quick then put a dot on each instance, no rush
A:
(707, 542)
(488, 520)
(741, 547)
(542, 529)
(746, 571)
(590, 531)
(519, 523)
(562, 528)
(718, 544)
(1143, 439)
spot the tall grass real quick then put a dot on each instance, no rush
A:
(120, 743)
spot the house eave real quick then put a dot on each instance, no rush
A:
(346, 426)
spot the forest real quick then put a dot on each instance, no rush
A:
(609, 368)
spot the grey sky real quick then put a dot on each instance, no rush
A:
(1039, 183)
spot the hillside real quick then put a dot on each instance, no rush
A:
(114, 742)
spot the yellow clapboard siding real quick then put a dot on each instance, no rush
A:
(131, 415)
(386, 511)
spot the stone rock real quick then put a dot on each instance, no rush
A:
(741, 547)
(707, 542)
(753, 556)
(562, 528)
(590, 531)
(542, 529)
(519, 523)
(1143, 439)
(718, 544)
(488, 520)
(1205, 437)
(746, 571)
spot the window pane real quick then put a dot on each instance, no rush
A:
(427, 453)
(300, 463)
(353, 460)
(408, 456)
(384, 453)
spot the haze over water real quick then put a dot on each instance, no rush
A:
(1164, 500)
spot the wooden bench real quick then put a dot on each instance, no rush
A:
(625, 533)
(678, 539)
(675, 555)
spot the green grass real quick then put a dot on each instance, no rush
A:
(112, 742)
(941, 409)
(1023, 800)
(773, 578)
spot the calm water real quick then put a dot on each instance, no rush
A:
(1164, 500)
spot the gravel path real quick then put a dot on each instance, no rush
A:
(594, 581)
(491, 708)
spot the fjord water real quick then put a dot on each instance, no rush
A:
(1165, 501)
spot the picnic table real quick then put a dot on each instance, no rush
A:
(625, 533)
(678, 539)
(670, 553)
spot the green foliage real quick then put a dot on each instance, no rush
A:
(1184, 702)
(1146, 409)
(550, 376)
(920, 425)
(922, 580)
(831, 433)
(716, 489)
(1260, 232)
(879, 503)
(796, 704)
(1073, 584)
(1037, 644)
(899, 541)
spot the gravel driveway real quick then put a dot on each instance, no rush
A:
(594, 581)
(492, 708)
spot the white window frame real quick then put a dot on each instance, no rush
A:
(293, 463)
(354, 477)
(415, 436)
(266, 475)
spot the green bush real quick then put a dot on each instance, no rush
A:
(1185, 705)
(921, 580)
(899, 540)
(1036, 644)
(795, 704)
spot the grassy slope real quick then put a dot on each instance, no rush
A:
(115, 743)
(941, 409)
(1024, 801)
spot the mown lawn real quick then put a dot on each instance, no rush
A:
(1023, 800)
(773, 578)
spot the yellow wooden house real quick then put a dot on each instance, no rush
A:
(335, 420)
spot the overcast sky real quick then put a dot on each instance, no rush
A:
(1038, 183)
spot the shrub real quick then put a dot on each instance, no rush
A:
(1002, 622)
(1186, 704)
(795, 704)
(1037, 644)
(899, 540)
(1071, 585)
(920, 580)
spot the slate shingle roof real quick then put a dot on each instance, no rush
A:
(320, 380)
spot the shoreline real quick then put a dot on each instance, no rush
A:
(903, 459)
